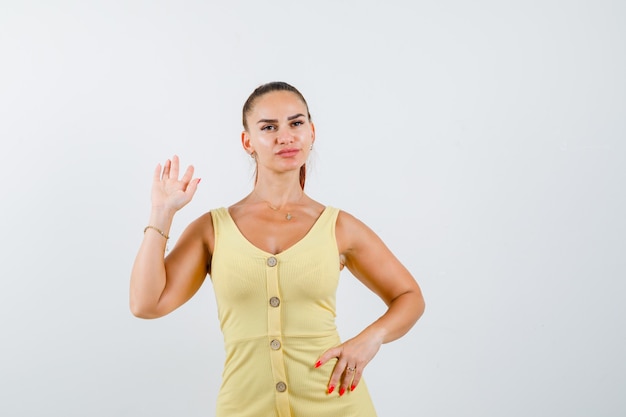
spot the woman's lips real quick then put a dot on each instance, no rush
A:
(288, 152)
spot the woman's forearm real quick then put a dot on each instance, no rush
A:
(148, 277)
(402, 313)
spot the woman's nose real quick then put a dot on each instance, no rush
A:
(284, 137)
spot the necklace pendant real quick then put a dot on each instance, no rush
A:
(288, 216)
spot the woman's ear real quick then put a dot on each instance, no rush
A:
(312, 133)
(245, 142)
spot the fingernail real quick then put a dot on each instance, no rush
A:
(352, 387)
(342, 391)
(331, 389)
(318, 364)
(199, 179)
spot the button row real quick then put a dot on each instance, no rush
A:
(275, 343)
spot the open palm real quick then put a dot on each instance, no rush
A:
(169, 192)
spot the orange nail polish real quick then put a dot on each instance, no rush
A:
(318, 364)
(342, 391)
(331, 389)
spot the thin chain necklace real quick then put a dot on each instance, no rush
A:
(288, 216)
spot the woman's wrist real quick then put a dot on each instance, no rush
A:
(161, 218)
(376, 331)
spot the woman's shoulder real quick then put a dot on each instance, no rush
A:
(201, 224)
(202, 229)
(204, 224)
(210, 215)
(346, 219)
(351, 231)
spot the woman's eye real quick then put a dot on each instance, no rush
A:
(297, 123)
(268, 127)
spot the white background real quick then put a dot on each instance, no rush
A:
(483, 141)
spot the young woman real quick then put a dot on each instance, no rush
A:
(274, 259)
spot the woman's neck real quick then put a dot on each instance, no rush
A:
(277, 193)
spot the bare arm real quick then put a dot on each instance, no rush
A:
(369, 259)
(158, 285)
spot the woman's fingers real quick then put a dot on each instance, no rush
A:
(188, 175)
(326, 356)
(342, 376)
(355, 378)
(338, 377)
(157, 173)
(352, 358)
(347, 380)
(168, 190)
(171, 170)
(174, 167)
(166, 170)
(191, 188)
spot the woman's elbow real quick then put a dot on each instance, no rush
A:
(421, 307)
(142, 311)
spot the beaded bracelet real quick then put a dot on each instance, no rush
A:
(158, 230)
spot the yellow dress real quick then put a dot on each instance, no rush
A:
(277, 315)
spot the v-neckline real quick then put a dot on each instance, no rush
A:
(317, 221)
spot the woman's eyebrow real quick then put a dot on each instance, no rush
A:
(295, 116)
(268, 121)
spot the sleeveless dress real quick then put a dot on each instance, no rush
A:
(277, 316)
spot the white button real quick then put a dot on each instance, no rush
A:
(271, 261)
(274, 301)
(275, 344)
(281, 387)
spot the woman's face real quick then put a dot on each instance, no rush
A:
(279, 132)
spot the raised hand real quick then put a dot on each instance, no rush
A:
(168, 192)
